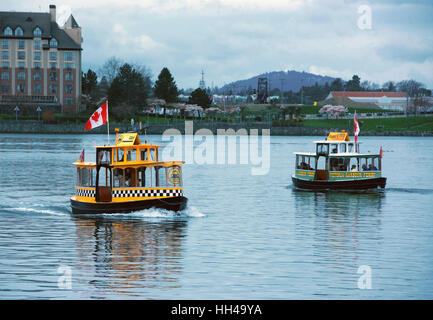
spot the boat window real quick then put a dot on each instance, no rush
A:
(161, 177)
(372, 164)
(141, 177)
(338, 164)
(354, 164)
(143, 155)
(104, 177)
(312, 163)
(322, 163)
(130, 177)
(334, 148)
(174, 176)
(85, 177)
(342, 148)
(350, 145)
(152, 154)
(131, 155)
(118, 178)
(120, 154)
(303, 162)
(323, 149)
(104, 156)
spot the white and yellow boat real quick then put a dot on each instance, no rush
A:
(127, 177)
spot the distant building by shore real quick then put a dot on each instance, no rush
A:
(384, 100)
(40, 62)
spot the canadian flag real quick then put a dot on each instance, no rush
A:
(98, 118)
(356, 127)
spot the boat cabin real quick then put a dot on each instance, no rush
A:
(128, 170)
(337, 158)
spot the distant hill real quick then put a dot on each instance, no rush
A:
(290, 80)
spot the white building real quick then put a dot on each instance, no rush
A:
(385, 100)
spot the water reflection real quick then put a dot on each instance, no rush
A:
(343, 225)
(122, 255)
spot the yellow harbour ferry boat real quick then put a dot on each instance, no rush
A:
(127, 177)
(338, 164)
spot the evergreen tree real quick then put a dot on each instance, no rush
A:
(200, 97)
(89, 82)
(354, 84)
(165, 86)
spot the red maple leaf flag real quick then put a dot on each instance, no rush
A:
(356, 127)
(98, 118)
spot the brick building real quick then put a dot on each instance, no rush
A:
(40, 62)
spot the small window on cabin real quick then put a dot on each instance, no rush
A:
(84, 177)
(174, 176)
(152, 154)
(350, 147)
(373, 164)
(104, 177)
(149, 177)
(323, 148)
(120, 154)
(342, 148)
(312, 163)
(104, 157)
(334, 148)
(162, 176)
(143, 155)
(131, 155)
(141, 177)
(118, 178)
(130, 177)
(92, 176)
(354, 164)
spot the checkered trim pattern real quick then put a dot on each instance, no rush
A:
(85, 192)
(133, 193)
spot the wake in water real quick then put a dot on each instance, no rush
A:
(410, 190)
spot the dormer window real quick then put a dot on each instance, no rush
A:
(19, 32)
(37, 32)
(8, 31)
(53, 43)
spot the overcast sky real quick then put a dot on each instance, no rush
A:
(237, 39)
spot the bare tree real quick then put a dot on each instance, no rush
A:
(110, 69)
(411, 87)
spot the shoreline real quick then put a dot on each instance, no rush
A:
(38, 127)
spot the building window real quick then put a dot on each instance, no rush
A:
(53, 76)
(69, 56)
(53, 65)
(5, 75)
(5, 44)
(69, 100)
(53, 88)
(53, 43)
(5, 55)
(21, 75)
(69, 76)
(53, 55)
(8, 31)
(19, 32)
(5, 64)
(21, 64)
(37, 88)
(69, 65)
(21, 55)
(36, 55)
(69, 88)
(5, 88)
(21, 44)
(37, 65)
(37, 44)
(21, 87)
(37, 32)
(37, 76)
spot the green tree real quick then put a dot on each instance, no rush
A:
(354, 84)
(200, 97)
(165, 86)
(128, 87)
(89, 82)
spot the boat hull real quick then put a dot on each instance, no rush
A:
(172, 203)
(358, 184)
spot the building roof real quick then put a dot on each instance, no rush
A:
(369, 94)
(28, 21)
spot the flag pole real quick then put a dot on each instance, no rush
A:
(108, 126)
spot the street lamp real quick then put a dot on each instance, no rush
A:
(16, 109)
(38, 110)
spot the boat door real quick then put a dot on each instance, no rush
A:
(103, 176)
(321, 168)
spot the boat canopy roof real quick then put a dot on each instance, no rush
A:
(340, 155)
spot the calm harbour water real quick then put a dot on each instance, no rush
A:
(241, 237)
